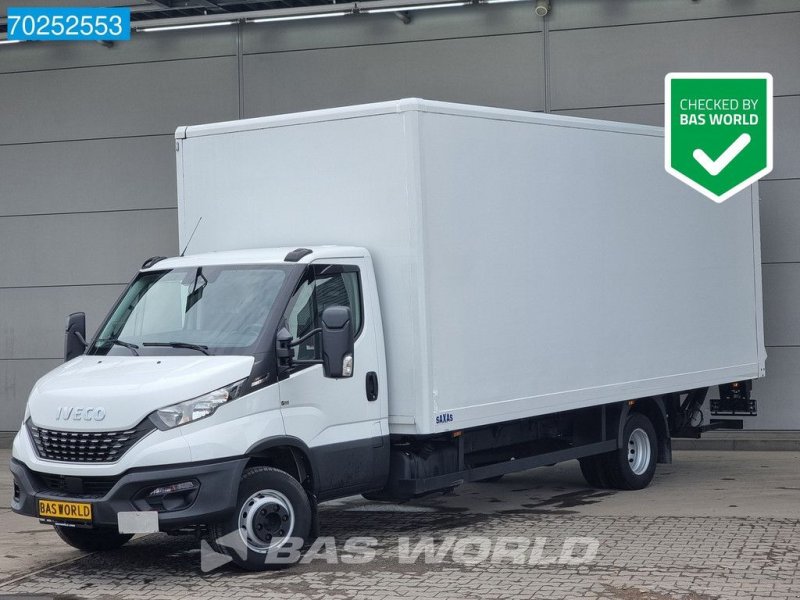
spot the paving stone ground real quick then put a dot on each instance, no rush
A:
(637, 558)
(641, 554)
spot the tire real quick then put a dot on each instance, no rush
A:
(593, 469)
(272, 523)
(633, 466)
(92, 540)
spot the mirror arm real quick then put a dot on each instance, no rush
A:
(299, 341)
(290, 360)
(310, 334)
(81, 339)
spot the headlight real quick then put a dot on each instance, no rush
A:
(189, 411)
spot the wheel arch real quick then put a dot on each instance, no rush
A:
(653, 408)
(288, 454)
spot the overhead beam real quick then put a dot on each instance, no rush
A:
(185, 4)
(389, 6)
(348, 7)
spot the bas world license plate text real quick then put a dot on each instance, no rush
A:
(57, 510)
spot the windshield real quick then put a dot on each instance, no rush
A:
(209, 310)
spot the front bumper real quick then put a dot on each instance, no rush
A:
(214, 500)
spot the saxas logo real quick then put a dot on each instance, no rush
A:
(444, 418)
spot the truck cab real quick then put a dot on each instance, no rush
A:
(207, 366)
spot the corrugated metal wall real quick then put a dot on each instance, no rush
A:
(87, 169)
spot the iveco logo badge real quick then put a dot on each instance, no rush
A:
(80, 413)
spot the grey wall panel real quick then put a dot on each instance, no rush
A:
(123, 100)
(142, 47)
(786, 137)
(777, 393)
(32, 320)
(387, 28)
(602, 13)
(645, 114)
(57, 250)
(780, 221)
(786, 161)
(781, 284)
(16, 380)
(93, 175)
(511, 74)
(626, 65)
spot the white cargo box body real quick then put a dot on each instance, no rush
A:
(526, 263)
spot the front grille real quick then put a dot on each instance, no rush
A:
(74, 487)
(86, 446)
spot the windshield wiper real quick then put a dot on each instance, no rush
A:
(117, 342)
(198, 347)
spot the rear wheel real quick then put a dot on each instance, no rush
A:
(271, 525)
(633, 466)
(91, 540)
(593, 471)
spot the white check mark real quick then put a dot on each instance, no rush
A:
(715, 166)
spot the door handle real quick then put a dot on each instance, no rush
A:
(372, 386)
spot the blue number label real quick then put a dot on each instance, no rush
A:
(63, 23)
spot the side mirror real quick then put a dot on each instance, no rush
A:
(337, 342)
(75, 336)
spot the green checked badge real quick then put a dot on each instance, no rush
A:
(718, 130)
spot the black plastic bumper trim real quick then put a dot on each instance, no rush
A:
(216, 499)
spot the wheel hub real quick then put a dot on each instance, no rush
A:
(639, 451)
(266, 520)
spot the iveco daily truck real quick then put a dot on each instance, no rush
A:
(390, 300)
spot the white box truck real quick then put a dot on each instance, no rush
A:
(392, 299)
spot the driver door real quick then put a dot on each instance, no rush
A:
(337, 418)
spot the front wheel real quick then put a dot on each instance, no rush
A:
(91, 540)
(272, 522)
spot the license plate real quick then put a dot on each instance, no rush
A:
(57, 510)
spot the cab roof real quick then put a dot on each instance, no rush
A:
(257, 256)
